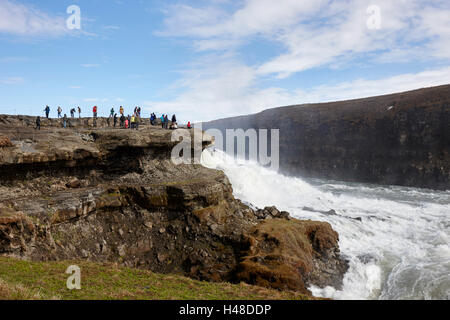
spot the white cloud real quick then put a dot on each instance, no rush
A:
(13, 59)
(309, 34)
(90, 65)
(12, 80)
(111, 27)
(362, 88)
(24, 20)
(230, 89)
(95, 100)
(314, 33)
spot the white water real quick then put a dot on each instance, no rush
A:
(400, 249)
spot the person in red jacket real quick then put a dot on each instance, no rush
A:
(94, 110)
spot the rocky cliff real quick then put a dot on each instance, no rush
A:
(399, 139)
(114, 195)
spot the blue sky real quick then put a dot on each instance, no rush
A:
(210, 59)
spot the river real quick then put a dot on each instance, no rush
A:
(397, 239)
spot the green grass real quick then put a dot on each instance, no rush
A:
(47, 280)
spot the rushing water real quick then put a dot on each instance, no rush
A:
(398, 249)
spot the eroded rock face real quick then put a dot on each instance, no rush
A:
(114, 195)
(291, 254)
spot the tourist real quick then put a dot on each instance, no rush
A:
(133, 121)
(115, 119)
(38, 123)
(72, 112)
(136, 123)
(126, 123)
(79, 112)
(112, 113)
(121, 111)
(152, 119)
(122, 121)
(94, 110)
(47, 111)
(65, 121)
(166, 122)
(162, 121)
(189, 125)
(59, 112)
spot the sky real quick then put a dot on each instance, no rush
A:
(204, 60)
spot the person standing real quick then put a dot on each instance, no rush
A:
(121, 111)
(166, 121)
(47, 111)
(79, 112)
(59, 112)
(38, 123)
(65, 121)
(122, 121)
(112, 113)
(133, 121)
(94, 111)
(115, 119)
(162, 121)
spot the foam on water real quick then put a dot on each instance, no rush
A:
(400, 248)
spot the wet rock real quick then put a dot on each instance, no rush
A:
(5, 142)
(148, 225)
(292, 255)
(74, 183)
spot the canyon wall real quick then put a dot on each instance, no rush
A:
(396, 139)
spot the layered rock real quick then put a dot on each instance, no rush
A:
(396, 139)
(114, 195)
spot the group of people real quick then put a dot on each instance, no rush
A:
(129, 122)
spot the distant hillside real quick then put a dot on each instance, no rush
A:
(400, 139)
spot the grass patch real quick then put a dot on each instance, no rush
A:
(24, 280)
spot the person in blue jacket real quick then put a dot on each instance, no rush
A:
(47, 111)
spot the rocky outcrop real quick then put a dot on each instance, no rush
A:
(396, 139)
(289, 254)
(114, 195)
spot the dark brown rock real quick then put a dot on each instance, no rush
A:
(290, 255)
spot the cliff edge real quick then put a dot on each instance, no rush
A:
(114, 195)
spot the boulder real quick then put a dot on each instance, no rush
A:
(290, 255)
